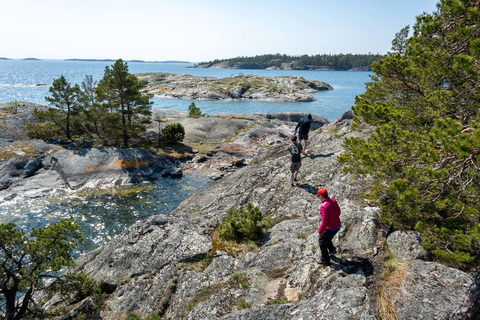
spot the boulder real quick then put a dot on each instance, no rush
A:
(407, 245)
(431, 290)
(33, 169)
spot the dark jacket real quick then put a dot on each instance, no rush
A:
(303, 125)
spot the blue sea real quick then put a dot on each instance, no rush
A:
(29, 80)
(102, 216)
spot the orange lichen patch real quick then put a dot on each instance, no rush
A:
(230, 148)
(92, 168)
(125, 164)
(161, 89)
(21, 150)
(177, 155)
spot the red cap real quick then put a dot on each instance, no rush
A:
(322, 192)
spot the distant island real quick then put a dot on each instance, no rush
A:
(113, 60)
(34, 59)
(338, 62)
(4, 58)
(244, 87)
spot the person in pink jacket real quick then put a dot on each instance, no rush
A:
(330, 224)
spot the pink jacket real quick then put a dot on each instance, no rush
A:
(330, 212)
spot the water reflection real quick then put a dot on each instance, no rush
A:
(104, 214)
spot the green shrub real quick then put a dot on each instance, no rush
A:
(241, 225)
(173, 133)
(42, 130)
(194, 111)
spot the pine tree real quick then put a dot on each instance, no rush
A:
(64, 97)
(121, 93)
(424, 155)
(27, 260)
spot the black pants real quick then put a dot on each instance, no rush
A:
(326, 245)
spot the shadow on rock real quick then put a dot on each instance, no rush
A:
(315, 156)
(355, 265)
(309, 188)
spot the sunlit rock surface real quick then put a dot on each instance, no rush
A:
(159, 265)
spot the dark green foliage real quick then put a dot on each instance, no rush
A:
(113, 112)
(194, 111)
(424, 101)
(121, 99)
(27, 260)
(64, 98)
(77, 286)
(173, 133)
(42, 130)
(336, 62)
(241, 225)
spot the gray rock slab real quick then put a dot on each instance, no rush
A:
(146, 246)
(432, 291)
(407, 245)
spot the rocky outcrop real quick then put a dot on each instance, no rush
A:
(245, 87)
(175, 266)
(13, 117)
(31, 168)
(406, 245)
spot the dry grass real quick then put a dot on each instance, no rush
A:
(185, 149)
(232, 248)
(392, 284)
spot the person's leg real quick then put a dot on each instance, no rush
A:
(304, 146)
(303, 137)
(297, 169)
(324, 240)
(292, 170)
(331, 247)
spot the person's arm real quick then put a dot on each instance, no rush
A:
(296, 128)
(323, 224)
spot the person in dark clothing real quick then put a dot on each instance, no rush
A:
(296, 160)
(329, 226)
(303, 128)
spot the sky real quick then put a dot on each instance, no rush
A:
(196, 31)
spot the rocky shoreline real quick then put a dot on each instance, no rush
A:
(244, 87)
(34, 168)
(175, 267)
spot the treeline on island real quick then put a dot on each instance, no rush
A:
(339, 62)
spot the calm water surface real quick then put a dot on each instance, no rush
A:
(27, 80)
(102, 216)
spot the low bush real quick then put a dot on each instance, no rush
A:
(242, 225)
(194, 111)
(173, 133)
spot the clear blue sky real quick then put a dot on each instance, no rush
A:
(200, 30)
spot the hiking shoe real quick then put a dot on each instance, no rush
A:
(293, 184)
(334, 251)
(323, 262)
(295, 179)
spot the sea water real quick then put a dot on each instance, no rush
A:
(103, 215)
(29, 80)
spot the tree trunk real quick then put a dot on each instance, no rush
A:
(124, 124)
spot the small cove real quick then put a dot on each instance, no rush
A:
(105, 213)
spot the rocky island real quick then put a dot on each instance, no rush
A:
(174, 266)
(244, 87)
